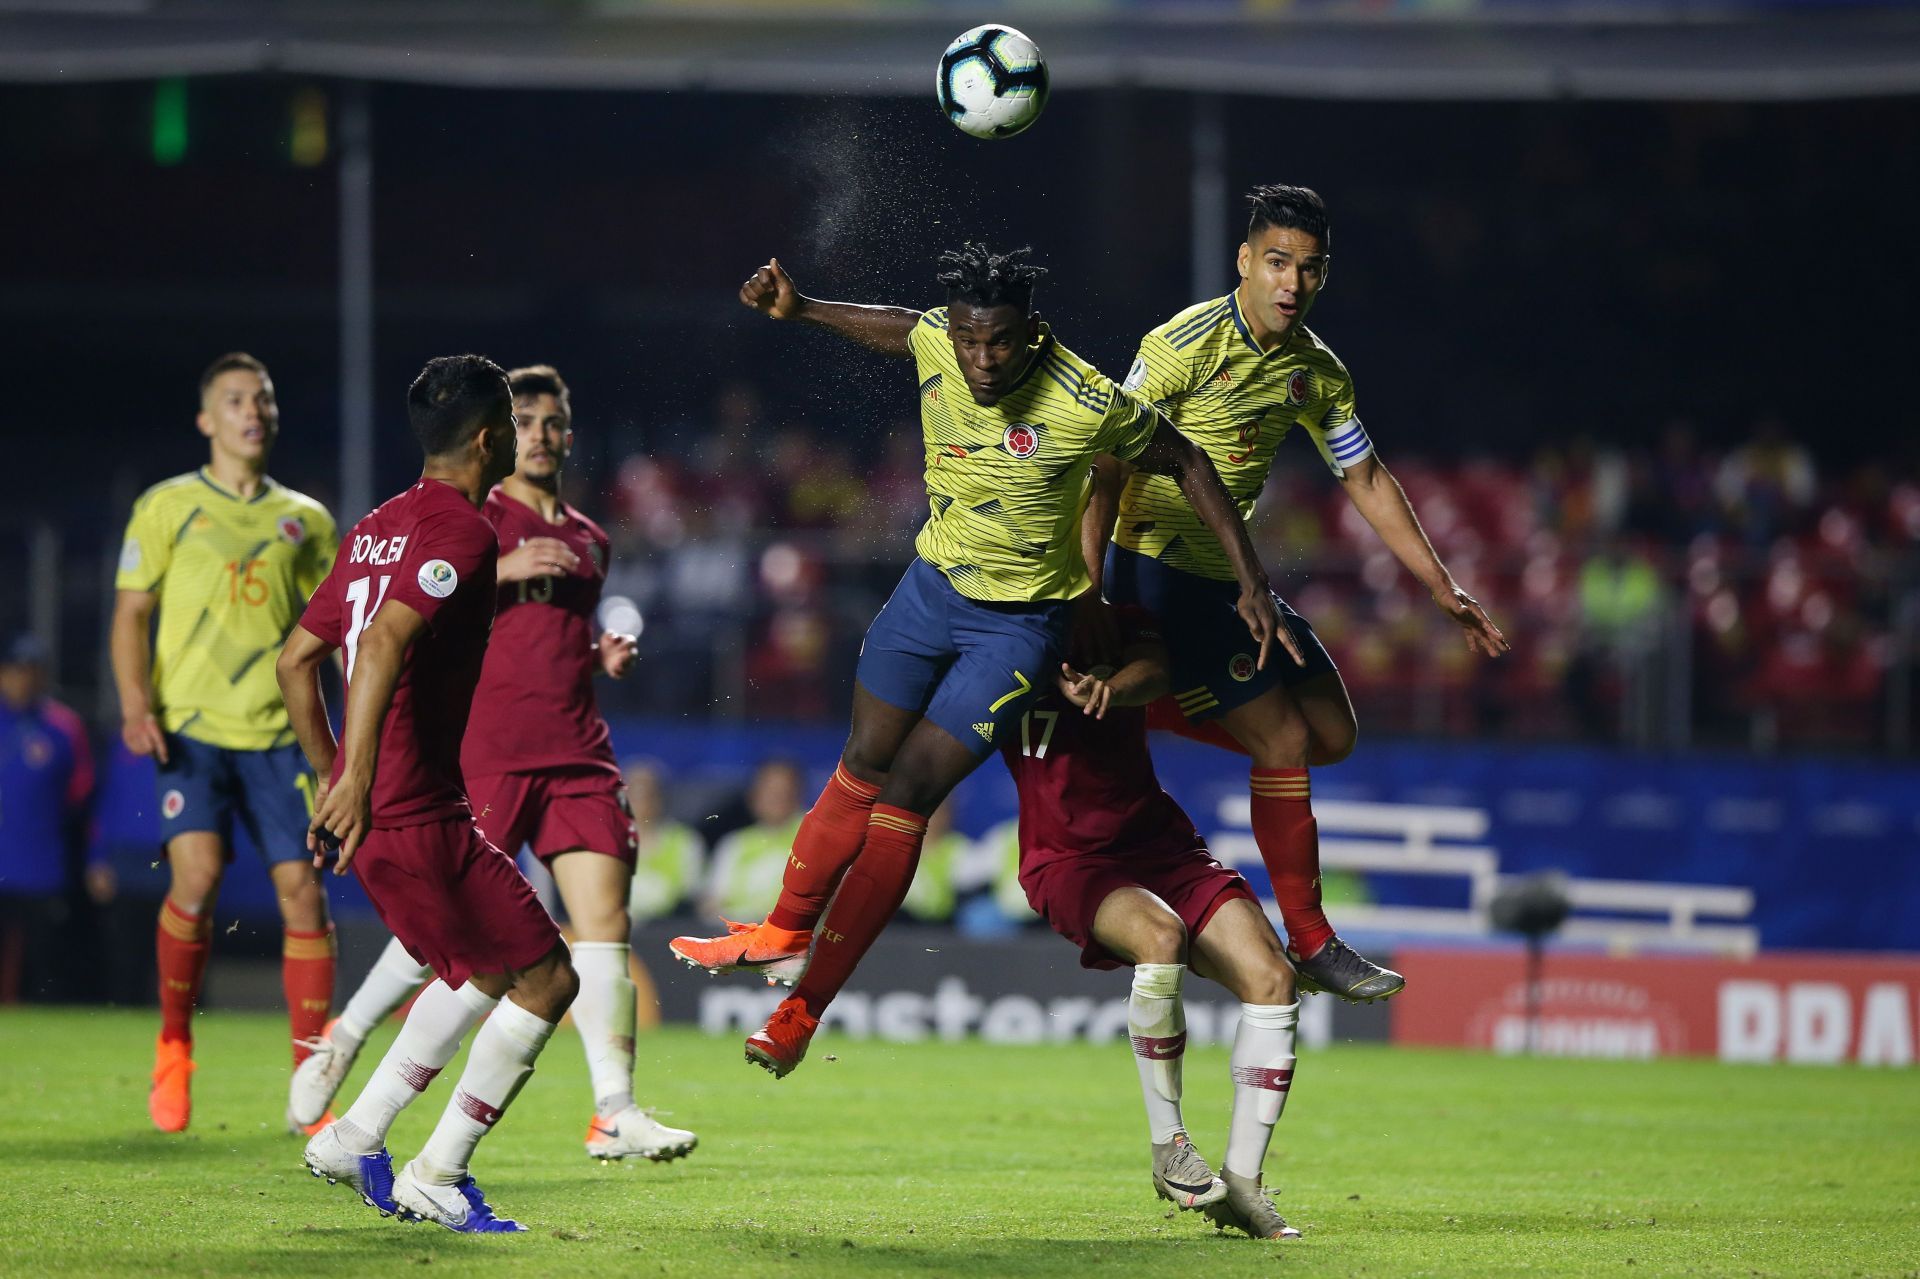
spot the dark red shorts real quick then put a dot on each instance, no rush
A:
(458, 904)
(555, 812)
(1067, 891)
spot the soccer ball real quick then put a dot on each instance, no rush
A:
(992, 82)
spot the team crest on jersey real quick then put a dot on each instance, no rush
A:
(293, 529)
(437, 578)
(1021, 440)
(1299, 388)
(172, 804)
(1240, 666)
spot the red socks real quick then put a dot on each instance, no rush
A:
(830, 837)
(869, 895)
(306, 974)
(182, 943)
(1289, 842)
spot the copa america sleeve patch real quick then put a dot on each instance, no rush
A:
(130, 555)
(437, 578)
(1136, 376)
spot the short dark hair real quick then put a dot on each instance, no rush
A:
(537, 379)
(1298, 207)
(975, 274)
(228, 363)
(451, 396)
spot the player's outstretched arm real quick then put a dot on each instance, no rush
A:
(345, 813)
(131, 645)
(1384, 505)
(1145, 675)
(1171, 453)
(885, 329)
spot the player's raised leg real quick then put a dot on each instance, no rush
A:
(593, 887)
(829, 839)
(437, 1184)
(1143, 930)
(1279, 736)
(183, 940)
(1238, 949)
(931, 763)
(393, 977)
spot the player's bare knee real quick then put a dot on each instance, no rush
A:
(1333, 746)
(304, 909)
(613, 925)
(1269, 984)
(1163, 939)
(194, 887)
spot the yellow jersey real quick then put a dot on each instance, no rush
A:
(232, 575)
(1204, 370)
(1007, 482)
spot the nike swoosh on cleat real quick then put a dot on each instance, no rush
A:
(762, 963)
(1187, 1189)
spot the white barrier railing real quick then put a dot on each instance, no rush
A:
(1427, 839)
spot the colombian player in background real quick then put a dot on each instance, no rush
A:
(410, 601)
(1237, 374)
(539, 768)
(1112, 864)
(978, 624)
(227, 557)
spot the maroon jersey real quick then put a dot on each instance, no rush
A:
(431, 550)
(1087, 786)
(535, 708)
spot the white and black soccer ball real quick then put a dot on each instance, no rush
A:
(992, 82)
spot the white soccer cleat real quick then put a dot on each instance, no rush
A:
(462, 1207)
(318, 1078)
(635, 1132)
(370, 1175)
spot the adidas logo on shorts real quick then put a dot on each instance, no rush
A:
(985, 731)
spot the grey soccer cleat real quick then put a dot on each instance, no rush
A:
(1338, 969)
(1182, 1177)
(1246, 1207)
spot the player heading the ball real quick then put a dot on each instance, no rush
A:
(1011, 420)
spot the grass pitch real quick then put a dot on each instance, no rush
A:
(965, 1159)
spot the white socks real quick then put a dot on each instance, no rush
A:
(1157, 1023)
(603, 1012)
(440, 1019)
(393, 978)
(501, 1060)
(1262, 1070)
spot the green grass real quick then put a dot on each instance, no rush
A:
(939, 1159)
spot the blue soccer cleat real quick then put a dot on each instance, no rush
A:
(460, 1207)
(370, 1175)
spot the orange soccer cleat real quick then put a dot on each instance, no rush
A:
(171, 1102)
(781, 1044)
(778, 954)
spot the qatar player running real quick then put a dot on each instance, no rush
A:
(1112, 864)
(540, 772)
(410, 600)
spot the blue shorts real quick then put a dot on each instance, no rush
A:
(204, 788)
(1213, 654)
(968, 666)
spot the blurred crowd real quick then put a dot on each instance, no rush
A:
(1660, 596)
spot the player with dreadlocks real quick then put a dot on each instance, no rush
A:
(977, 627)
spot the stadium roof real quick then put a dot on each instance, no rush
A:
(1675, 49)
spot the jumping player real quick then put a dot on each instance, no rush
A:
(1112, 864)
(539, 769)
(976, 627)
(1236, 374)
(227, 557)
(411, 602)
